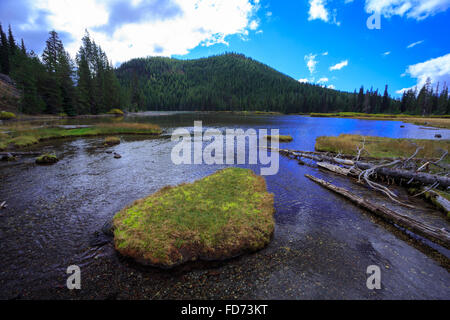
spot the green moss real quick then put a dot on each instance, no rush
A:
(47, 159)
(217, 217)
(23, 141)
(6, 115)
(281, 138)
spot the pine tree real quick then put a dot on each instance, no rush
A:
(386, 101)
(4, 52)
(11, 42)
(52, 86)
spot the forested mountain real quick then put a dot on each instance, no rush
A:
(55, 83)
(235, 82)
(225, 82)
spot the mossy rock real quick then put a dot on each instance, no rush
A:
(6, 115)
(112, 141)
(47, 159)
(281, 138)
(218, 217)
(116, 112)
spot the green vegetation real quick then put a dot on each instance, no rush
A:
(382, 147)
(116, 112)
(280, 138)
(111, 141)
(220, 216)
(25, 136)
(47, 159)
(4, 115)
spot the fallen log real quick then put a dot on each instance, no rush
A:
(334, 168)
(422, 177)
(440, 236)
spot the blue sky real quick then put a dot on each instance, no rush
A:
(318, 41)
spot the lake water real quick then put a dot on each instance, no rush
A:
(321, 249)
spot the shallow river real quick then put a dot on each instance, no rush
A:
(321, 248)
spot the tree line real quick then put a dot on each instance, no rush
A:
(55, 83)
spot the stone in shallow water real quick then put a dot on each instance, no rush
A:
(218, 217)
(47, 159)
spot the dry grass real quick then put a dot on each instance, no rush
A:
(217, 217)
(382, 147)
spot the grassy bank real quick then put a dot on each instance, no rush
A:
(431, 121)
(382, 147)
(220, 216)
(19, 136)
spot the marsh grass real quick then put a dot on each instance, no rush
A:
(380, 147)
(217, 217)
(24, 135)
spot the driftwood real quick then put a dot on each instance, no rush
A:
(440, 236)
(3, 205)
(422, 177)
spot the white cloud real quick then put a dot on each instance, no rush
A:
(386, 53)
(331, 87)
(317, 10)
(303, 80)
(437, 69)
(253, 25)
(325, 53)
(416, 9)
(200, 22)
(414, 44)
(339, 65)
(311, 62)
(323, 80)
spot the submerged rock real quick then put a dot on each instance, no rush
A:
(438, 135)
(117, 156)
(8, 157)
(218, 217)
(47, 159)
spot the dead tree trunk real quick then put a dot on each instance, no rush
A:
(422, 177)
(440, 236)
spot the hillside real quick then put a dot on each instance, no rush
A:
(224, 82)
(9, 95)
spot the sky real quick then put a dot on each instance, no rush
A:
(340, 44)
